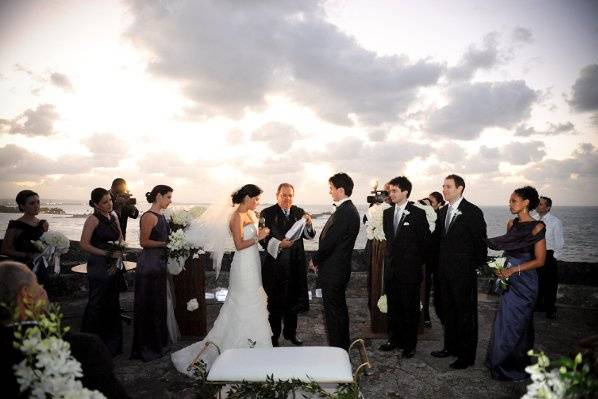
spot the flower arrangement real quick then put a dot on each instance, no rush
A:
(48, 369)
(178, 218)
(498, 265)
(567, 378)
(51, 245)
(382, 304)
(374, 226)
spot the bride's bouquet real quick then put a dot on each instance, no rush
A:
(51, 245)
(498, 265)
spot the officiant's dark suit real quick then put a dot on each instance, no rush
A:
(462, 249)
(285, 277)
(407, 246)
(333, 260)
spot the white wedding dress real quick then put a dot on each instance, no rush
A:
(243, 318)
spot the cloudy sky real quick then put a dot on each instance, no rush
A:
(208, 95)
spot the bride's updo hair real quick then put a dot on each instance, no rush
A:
(250, 190)
(161, 189)
(529, 193)
(96, 196)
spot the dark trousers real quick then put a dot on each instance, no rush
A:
(429, 284)
(460, 313)
(289, 319)
(548, 283)
(403, 313)
(336, 313)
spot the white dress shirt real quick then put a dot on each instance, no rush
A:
(554, 234)
(399, 209)
(339, 203)
(450, 211)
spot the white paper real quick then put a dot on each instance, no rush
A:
(296, 231)
(221, 294)
(210, 295)
(318, 293)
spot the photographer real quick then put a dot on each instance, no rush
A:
(124, 203)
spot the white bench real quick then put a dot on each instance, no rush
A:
(328, 366)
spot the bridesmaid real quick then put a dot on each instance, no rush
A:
(151, 329)
(525, 249)
(20, 232)
(102, 314)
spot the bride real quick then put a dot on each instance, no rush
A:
(243, 318)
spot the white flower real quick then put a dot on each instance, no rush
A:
(497, 263)
(57, 240)
(374, 227)
(179, 217)
(457, 213)
(192, 305)
(383, 304)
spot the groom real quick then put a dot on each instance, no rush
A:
(332, 260)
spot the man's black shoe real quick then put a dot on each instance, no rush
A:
(275, 342)
(294, 340)
(388, 346)
(441, 353)
(460, 364)
(408, 353)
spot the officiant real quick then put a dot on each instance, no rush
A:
(284, 269)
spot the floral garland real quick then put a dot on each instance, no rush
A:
(375, 223)
(48, 369)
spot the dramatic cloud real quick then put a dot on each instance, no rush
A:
(278, 136)
(38, 122)
(287, 48)
(476, 106)
(62, 81)
(107, 149)
(522, 153)
(553, 130)
(476, 58)
(585, 90)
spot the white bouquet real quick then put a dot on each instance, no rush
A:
(178, 218)
(49, 369)
(374, 225)
(179, 249)
(383, 304)
(498, 265)
(51, 244)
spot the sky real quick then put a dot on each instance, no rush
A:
(206, 96)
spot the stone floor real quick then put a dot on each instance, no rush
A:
(420, 377)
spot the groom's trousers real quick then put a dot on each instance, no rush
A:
(336, 313)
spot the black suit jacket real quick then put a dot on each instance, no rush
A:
(462, 248)
(275, 220)
(336, 244)
(88, 349)
(406, 250)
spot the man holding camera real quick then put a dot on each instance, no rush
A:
(123, 203)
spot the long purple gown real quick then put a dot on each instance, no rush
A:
(150, 331)
(513, 330)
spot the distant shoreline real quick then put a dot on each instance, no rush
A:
(14, 209)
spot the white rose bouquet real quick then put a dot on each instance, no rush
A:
(374, 225)
(178, 218)
(51, 245)
(383, 304)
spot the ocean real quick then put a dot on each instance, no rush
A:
(580, 225)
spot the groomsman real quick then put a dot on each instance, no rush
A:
(332, 260)
(284, 270)
(408, 237)
(548, 276)
(460, 233)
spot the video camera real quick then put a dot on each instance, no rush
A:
(124, 199)
(378, 196)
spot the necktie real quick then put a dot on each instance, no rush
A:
(286, 213)
(397, 219)
(449, 215)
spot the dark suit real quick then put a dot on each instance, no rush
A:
(406, 250)
(333, 259)
(285, 278)
(88, 349)
(461, 251)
